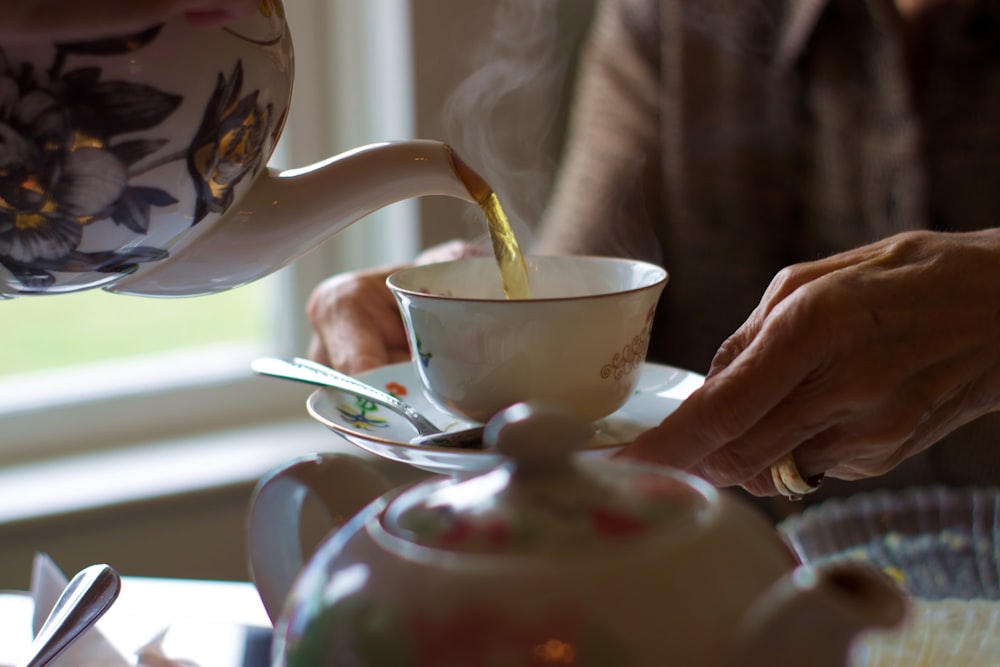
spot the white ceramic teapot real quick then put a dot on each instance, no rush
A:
(548, 559)
(138, 163)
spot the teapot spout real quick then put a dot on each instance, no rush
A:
(288, 213)
(811, 616)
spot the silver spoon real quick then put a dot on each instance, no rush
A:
(310, 372)
(84, 600)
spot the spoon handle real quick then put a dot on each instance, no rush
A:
(311, 372)
(84, 600)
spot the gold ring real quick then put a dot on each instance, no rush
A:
(789, 481)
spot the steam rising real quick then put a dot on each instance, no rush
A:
(504, 117)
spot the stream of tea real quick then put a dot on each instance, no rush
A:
(510, 261)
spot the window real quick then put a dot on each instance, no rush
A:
(355, 65)
(352, 87)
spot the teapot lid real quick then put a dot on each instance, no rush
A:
(542, 499)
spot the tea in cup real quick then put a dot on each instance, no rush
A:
(580, 339)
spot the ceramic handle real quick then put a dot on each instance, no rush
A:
(811, 615)
(343, 484)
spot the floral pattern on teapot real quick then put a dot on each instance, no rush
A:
(70, 156)
(475, 634)
(229, 145)
(502, 513)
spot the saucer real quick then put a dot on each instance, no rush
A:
(385, 434)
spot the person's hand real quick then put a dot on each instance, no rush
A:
(854, 362)
(355, 320)
(27, 21)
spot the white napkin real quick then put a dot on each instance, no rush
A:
(152, 655)
(92, 649)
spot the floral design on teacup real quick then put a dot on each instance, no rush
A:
(425, 357)
(630, 358)
(71, 156)
(633, 354)
(397, 389)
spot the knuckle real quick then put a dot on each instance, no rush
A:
(720, 425)
(314, 306)
(334, 293)
(898, 425)
(450, 250)
(880, 468)
(787, 277)
(873, 466)
(760, 486)
(728, 467)
(826, 306)
(864, 394)
(905, 244)
(731, 348)
(890, 432)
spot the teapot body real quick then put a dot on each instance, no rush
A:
(138, 163)
(114, 149)
(553, 557)
(371, 597)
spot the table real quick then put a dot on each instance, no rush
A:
(211, 623)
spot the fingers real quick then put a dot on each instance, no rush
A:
(354, 362)
(762, 485)
(839, 415)
(216, 13)
(351, 355)
(784, 284)
(451, 250)
(356, 323)
(844, 365)
(211, 18)
(733, 401)
(355, 319)
(27, 21)
(317, 352)
(731, 348)
(355, 342)
(864, 434)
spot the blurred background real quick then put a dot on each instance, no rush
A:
(132, 430)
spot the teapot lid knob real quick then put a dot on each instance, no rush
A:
(537, 435)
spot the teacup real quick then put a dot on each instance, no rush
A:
(579, 341)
